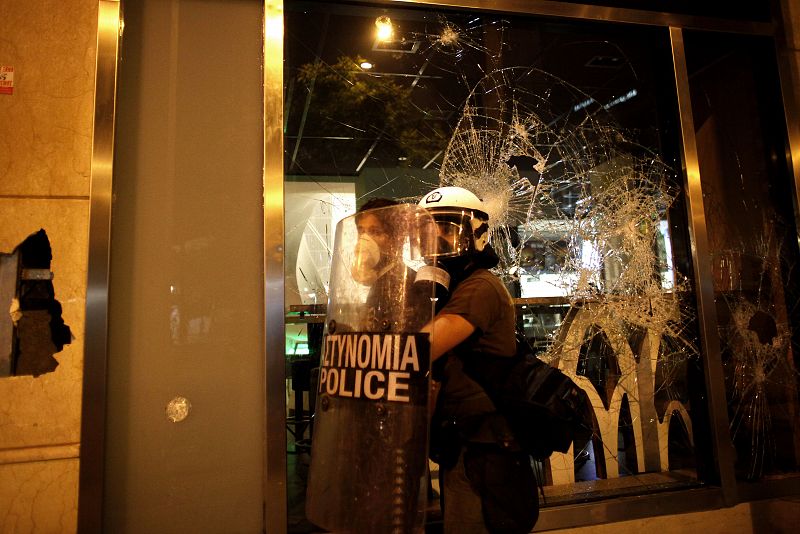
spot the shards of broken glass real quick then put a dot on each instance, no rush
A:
(756, 342)
(565, 176)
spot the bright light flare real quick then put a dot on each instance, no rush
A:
(385, 30)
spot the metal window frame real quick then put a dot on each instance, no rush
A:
(563, 10)
(93, 413)
(704, 283)
(275, 489)
(275, 505)
(787, 72)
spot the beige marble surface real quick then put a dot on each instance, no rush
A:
(46, 124)
(47, 409)
(39, 497)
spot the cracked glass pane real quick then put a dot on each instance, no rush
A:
(753, 239)
(568, 131)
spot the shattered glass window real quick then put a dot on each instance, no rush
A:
(752, 234)
(568, 131)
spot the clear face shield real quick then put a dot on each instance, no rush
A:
(447, 232)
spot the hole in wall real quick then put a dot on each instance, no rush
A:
(32, 330)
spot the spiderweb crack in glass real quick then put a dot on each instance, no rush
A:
(522, 156)
(757, 342)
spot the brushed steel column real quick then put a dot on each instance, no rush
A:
(90, 489)
(704, 284)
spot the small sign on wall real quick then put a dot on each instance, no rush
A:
(6, 80)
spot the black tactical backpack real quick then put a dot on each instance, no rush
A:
(546, 410)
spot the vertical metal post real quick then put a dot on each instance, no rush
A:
(275, 513)
(788, 74)
(701, 259)
(92, 455)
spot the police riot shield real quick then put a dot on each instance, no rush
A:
(369, 448)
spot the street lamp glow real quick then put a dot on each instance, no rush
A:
(384, 28)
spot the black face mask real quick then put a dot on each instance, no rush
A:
(485, 259)
(455, 265)
(460, 267)
(457, 269)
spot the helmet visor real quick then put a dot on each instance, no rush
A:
(445, 233)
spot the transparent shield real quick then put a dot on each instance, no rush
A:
(369, 450)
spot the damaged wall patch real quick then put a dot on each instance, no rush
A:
(32, 330)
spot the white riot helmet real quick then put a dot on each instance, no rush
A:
(460, 223)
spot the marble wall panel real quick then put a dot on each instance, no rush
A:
(39, 497)
(46, 124)
(47, 409)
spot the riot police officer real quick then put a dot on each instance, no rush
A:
(486, 479)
